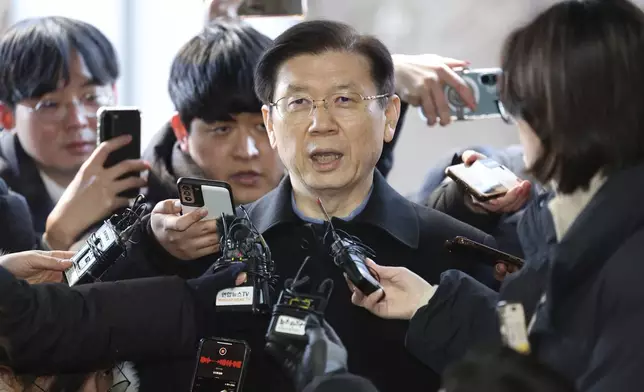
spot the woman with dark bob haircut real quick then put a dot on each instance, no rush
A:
(574, 82)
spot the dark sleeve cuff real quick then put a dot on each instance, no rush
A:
(449, 198)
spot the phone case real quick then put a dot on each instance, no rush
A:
(471, 190)
(216, 196)
(484, 84)
(114, 121)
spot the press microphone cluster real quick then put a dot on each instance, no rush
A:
(242, 243)
(105, 246)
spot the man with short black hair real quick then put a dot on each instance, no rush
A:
(218, 132)
(55, 73)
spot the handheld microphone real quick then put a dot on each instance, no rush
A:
(349, 254)
(105, 246)
(243, 243)
(295, 307)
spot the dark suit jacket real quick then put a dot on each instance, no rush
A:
(22, 176)
(400, 232)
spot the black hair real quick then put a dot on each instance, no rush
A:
(502, 370)
(212, 75)
(35, 56)
(319, 36)
(574, 74)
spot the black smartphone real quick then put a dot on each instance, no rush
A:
(484, 253)
(221, 365)
(271, 8)
(116, 121)
(216, 196)
(485, 179)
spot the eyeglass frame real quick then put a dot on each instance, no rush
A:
(77, 104)
(324, 100)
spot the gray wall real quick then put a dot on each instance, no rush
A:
(466, 29)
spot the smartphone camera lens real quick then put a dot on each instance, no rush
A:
(489, 80)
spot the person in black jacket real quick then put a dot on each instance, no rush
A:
(58, 320)
(333, 157)
(14, 214)
(119, 320)
(583, 300)
(55, 73)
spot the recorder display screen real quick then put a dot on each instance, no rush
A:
(219, 367)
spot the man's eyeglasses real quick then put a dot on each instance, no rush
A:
(53, 110)
(340, 105)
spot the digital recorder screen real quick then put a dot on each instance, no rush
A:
(220, 366)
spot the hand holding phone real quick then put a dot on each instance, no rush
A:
(483, 83)
(94, 193)
(485, 179)
(214, 196)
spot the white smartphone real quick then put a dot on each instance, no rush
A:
(485, 179)
(216, 196)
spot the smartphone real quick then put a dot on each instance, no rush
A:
(484, 85)
(271, 8)
(115, 121)
(216, 196)
(221, 365)
(482, 252)
(485, 179)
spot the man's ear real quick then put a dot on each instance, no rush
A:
(268, 123)
(7, 118)
(392, 113)
(180, 131)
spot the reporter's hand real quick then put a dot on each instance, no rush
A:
(92, 194)
(512, 201)
(501, 270)
(186, 237)
(323, 354)
(420, 81)
(209, 284)
(404, 293)
(37, 266)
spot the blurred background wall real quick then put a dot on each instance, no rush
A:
(148, 33)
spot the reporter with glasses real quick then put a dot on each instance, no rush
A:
(55, 73)
(573, 81)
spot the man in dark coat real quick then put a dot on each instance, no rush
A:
(330, 153)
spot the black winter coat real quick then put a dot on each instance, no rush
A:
(585, 294)
(400, 232)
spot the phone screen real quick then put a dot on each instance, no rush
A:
(486, 176)
(220, 366)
